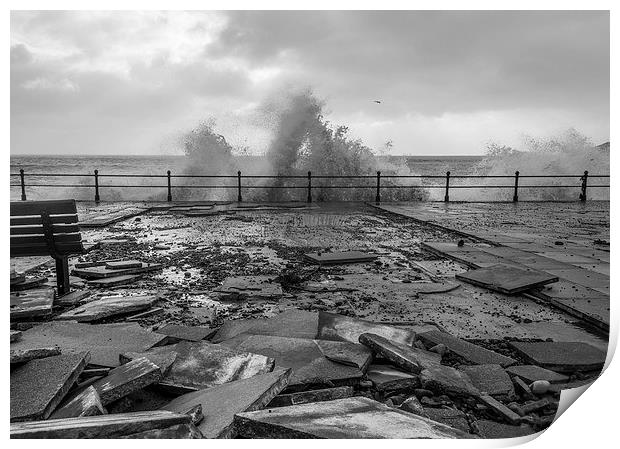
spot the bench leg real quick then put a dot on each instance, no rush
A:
(62, 276)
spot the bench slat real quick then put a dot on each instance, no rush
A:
(21, 208)
(40, 249)
(29, 221)
(38, 230)
(35, 239)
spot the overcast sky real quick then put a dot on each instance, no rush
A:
(131, 82)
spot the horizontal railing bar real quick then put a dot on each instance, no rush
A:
(432, 186)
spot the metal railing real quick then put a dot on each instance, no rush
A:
(583, 185)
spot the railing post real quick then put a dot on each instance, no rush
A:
(515, 197)
(378, 196)
(97, 199)
(446, 198)
(239, 199)
(584, 186)
(169, 187)
(309, 199)
(21, 178)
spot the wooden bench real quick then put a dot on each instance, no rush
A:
(41, 228)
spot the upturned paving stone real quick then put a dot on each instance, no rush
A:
(342, 328)
(200, 365)
(448, 416)
(104, 341)
(231, 329)
(388, 379)
(492, 379)
(306, 397)
(532, 373)
(100, 272)
(469, 351)
(506, 279)
(311, 369)
(126, 379)
(86, 403)
(447, 380)
(108, 307)
(114, 281)
(103, 426)
(25, 355)
(494, 430)
(38, 386)
(339, 257)
(290, 323)
(177, 333)
(32, 303)
(356, 417)
(221, 403)
(346, 353)
(28, 284)
(561, 356)
(499, 408)
(120, 264)
(407, 358)
(72, 298)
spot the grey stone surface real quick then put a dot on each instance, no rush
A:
(499, 408)
(32, 303)
(562, 356)
(356, 417)
(25, 355)
(339, 257)
(343, 328)
(221, 403)
(249, 287)
(405, 357)
(311, 369)
(531, 373)
(102, 426)
(126, 379)
(507, 279)
(177, 332)
(469, 351)
(346, 353)
(491, 379)
(493, 430)
(86, 403)
(447, 380)
(306, 397)
(104, 341)
(38, 386)
(108, 307)
(388, 379)
(448, 416)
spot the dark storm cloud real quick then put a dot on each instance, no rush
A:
(447, 80)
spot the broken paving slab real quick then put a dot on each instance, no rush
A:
(388, 379)
(103, 426)
(448, 416)
(561, 356)
(25, 355)
(114, 281)
(311, 369)
(339, 257)
(100, 272)
(343, 328)
(101, 221)
(28, 284)
(293, 323)
(202, 364)
(249, 287)
(72, 298)
(499, 408)
(443, 379)
(220, 403)
(38, 386)
(584, 277)
(126, 379)
(491, 379)
(104, 341)
(177, 332)
(346, 353)
(177, 432)
(306, 397)
(121, 264)
(86, 403)
(108, 307)
(31, 304)
(494, 430)
(356, 417)
(408, 358)
(532, 373)
(232, 328)
(507, 279)
(468, 351)
(15, 335)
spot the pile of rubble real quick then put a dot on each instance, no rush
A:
(297, 374)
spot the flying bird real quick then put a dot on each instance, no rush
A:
(377, 101)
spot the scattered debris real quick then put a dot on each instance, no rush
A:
(340, 257)
(249, 287)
